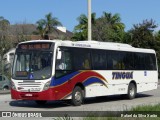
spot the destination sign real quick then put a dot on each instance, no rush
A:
(21, 73)
(31, 46)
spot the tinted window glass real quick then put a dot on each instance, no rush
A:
(153, 61)
(144, 61)
(122, 60)
(128, 61)
(113, 60)
(150, 62)
(99, 60)
(81, 59)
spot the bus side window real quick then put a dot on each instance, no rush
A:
(63, 61)
(150, 62)
(129, 61)
(86, 64)
(99, 60)
(153, 61)
(81, 59)
(114, 57)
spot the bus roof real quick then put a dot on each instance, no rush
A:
(95, 45)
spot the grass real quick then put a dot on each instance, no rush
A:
(146, 109)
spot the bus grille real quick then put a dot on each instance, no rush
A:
(30, 86)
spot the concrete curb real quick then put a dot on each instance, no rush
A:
(5, 92)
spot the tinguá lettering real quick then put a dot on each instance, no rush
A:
(122, 75)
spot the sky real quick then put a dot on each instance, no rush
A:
(67, 11)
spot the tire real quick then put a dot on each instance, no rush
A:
(41, 102)
(5, 88)
(77, 96)
(131, 91)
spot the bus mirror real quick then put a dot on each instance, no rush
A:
(59, 54)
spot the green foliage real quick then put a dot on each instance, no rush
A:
(147, 108)
(109, 28)
(106, 28)
(46, 26)
(4, 23)
(80, 31)
(142, 34)
(4, 39)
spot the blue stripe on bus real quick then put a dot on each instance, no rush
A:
(92, 80)
(59, 81)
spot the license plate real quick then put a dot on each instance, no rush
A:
(28, 95)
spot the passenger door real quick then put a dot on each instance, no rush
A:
(63, 72)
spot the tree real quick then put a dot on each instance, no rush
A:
(157, 48)
(114, 21)
(46, 26)
(81, 30)
(4, 44)
(157, 35)
(22, 31)
(4, 23)
(109, 28)
(142, 34)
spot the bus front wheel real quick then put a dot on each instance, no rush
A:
(77, 96)
(131, 91)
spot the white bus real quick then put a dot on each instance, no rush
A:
(58, 70)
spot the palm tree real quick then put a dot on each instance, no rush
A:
(83, 21)
(80, 31)
(113, 20)
(41, 27)
(47, 25)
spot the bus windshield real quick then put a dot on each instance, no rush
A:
(35, 65)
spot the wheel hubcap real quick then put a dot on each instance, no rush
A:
(132, 91)
(78, 96)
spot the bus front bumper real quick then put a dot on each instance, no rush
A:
(44, 95)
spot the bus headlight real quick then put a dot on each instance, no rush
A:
(13, 85)
(46, 86)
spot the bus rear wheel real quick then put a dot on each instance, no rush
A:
(41, 102)
(77, 96)
(131, 91)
